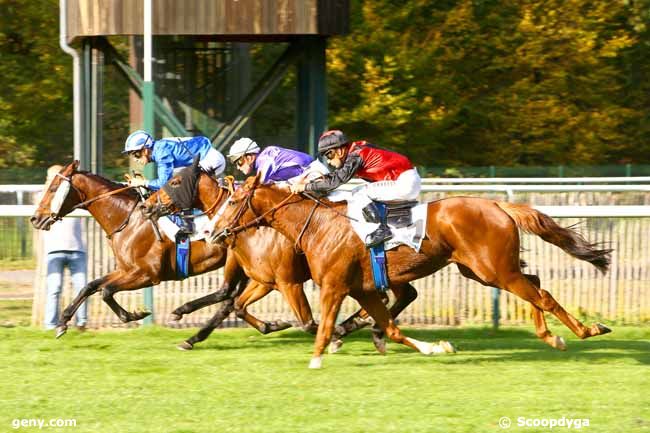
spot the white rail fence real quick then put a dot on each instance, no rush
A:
(445, 298)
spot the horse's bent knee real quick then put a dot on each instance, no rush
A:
(547, 302)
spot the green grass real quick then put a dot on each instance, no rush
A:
(17, 264)
(240, 381)
(15, 313)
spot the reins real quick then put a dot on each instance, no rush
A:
(228, 232)
(101, 196)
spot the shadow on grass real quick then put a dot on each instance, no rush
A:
(506, 345)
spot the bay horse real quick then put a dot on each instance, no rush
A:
(480, 236)
(141, 259)
(270, 258)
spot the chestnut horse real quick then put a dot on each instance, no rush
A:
(268, 257)
(480, 236)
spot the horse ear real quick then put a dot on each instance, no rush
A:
(230, 183)
(258, 176)
(75, 165)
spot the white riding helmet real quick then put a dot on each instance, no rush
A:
(242, 147)
(138, 140)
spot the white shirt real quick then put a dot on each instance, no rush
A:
(64, 235)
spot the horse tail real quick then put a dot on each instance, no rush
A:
(572, 242)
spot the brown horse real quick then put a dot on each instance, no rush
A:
(268, 257)
(141, 260)
(480, 236)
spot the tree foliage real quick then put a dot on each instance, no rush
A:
(496, 82)
(449, 82)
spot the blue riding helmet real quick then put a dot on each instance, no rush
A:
(138, 140)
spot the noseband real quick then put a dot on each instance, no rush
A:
(229, 230)
(61, 194)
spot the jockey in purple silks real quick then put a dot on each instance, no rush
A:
(274, 163)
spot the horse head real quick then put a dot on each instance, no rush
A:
(209, 194)
(59, 198)
(252, 204)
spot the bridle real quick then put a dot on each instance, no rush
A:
(207, 211)
(61, 194)
(56, 214)
(229, 230)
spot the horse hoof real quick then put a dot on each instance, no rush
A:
(380, 345)
(602, 329)
(281, 324)
(559, 343)
(185, 346)
(447, 346)
(335, 345)
(173, 318)
(316, 363)
(60, 331)
(141, 314)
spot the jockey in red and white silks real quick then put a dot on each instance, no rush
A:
(391, 176)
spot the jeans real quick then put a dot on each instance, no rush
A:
(56, 262)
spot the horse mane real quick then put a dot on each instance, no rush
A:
(110, 184)
(324, 199)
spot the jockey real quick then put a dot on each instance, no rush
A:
(391, 175)
(274, 163)
(169, 154)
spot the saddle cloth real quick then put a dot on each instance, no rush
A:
(410, 235)
(202, 228)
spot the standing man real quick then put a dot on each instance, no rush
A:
(64, 248)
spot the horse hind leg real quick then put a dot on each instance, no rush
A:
(541, 328)
(254, 292)
(224, 311)
(519, 285)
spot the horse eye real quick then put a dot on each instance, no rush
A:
(232, 203)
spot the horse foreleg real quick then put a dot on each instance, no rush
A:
(81, 297)
(295, 296)
(133, 280)
(404, 296)
(330, 303)
(372, 303)
(225, 292)
(357, 321)
(227, 307)
(254, 292)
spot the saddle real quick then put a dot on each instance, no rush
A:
(398, 212)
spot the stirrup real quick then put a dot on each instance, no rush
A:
(378, 237)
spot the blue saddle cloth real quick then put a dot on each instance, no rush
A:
(183, 256)
(378, 257)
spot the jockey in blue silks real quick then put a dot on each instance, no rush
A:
(170, 154)
(274, 163)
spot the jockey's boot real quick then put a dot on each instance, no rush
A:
(374, 214)
(187, 227)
